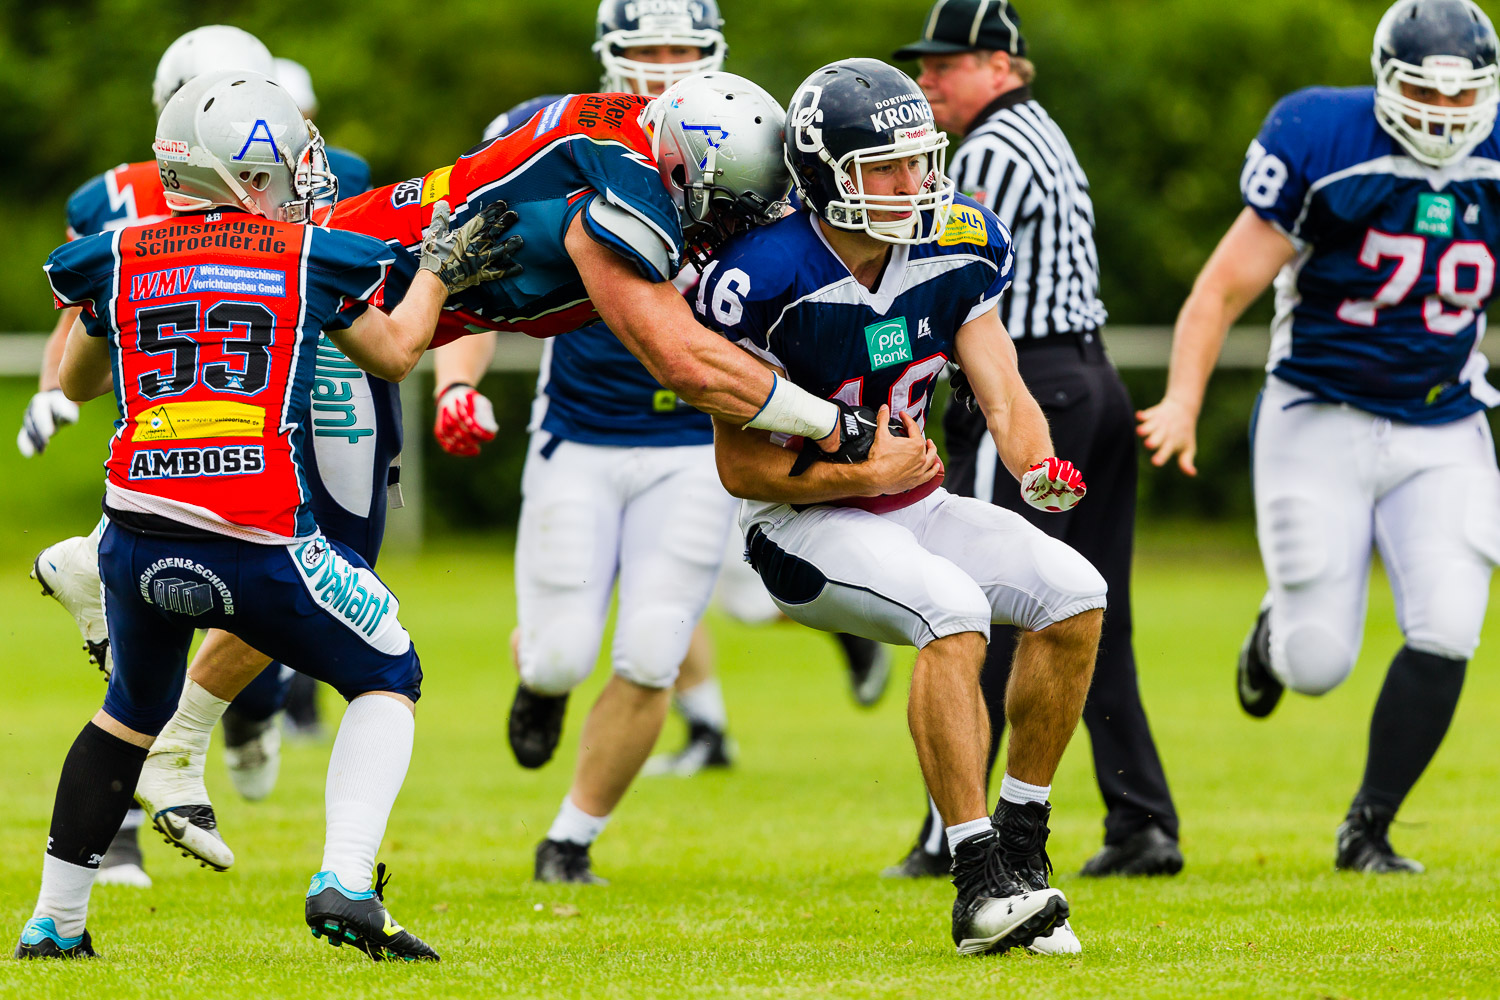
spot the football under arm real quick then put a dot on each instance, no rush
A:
(656, 324)
(389, 345)
(84, 372)
(752, 467)
(987, 356)
(1242, 266)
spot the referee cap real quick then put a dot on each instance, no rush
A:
(965, 25)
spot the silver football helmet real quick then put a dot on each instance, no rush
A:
(238, 139)
(207, 49)
(716, 139)
(297, 81)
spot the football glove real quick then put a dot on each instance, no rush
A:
(1053, 485)
(856, 435)
(465, 420)
(46, 412)
(473, 253)
(963, 392)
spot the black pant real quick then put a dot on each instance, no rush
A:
(1093, 426)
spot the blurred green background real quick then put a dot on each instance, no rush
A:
(1158, 97)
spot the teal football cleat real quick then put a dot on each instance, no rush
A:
(360, 919)
(39, 939)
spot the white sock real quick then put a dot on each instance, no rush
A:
(181, 748)
(576, 826)
(960, 832)
(65, 895)
(134, 819)
(704, 704)
(1018, 792)
(370, 756)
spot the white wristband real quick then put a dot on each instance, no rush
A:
(790, 409)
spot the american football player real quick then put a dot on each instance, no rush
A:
(1376, 211)
(865, 296)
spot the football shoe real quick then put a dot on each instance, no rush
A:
(123, 863)
(1148, 851)
(869, 664)
(562, 861)
(360, 919)
(1023, 841)
(1364, 844)
(707, 747)
(177, 803)
(1258, 688)
(536, 726)
(69, 573)
(996, 909)
(252, 752)
(39, 939)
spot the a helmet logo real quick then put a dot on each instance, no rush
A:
(175, 150)
(260, 132)
(712, 134)
(806, 119)
(637, 9)
(910, 109)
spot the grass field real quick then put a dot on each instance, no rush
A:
(762, 882)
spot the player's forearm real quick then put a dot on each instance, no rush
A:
(84, 371)
(52, 352)
(465, 360)
(1019, 429)
(389, 346)
(752, 468)
(1197, 340)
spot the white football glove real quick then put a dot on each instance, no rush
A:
(465, 420)
(46, 412)
(1052, 485)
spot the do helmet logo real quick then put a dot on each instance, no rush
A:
(805, 122)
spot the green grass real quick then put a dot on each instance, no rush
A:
(762, 882)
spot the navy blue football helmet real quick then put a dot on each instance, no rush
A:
(623, 24)
(857, 112)
(1445, 46)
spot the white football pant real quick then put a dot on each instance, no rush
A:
(1332, 482)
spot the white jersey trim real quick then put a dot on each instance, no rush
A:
(120, 498)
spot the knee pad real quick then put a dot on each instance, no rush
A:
(1311, 659)
(559, 657)
(650, 646)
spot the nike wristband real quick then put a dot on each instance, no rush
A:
(790, 409)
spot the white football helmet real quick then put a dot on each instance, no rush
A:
(297, 81)
(238, 139)
(206, 49)
(716, 139)
(623, 24)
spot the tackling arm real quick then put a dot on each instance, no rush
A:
(388, 345)
(1242, 266)
(656, 324)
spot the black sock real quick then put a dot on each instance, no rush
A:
(95, 791)
(1411, 717)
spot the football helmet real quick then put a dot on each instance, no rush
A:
(622, 24)
(1448, 46)
(238, 139)
(297, 81)
(857, 112)
(717, 139)
(202, 50)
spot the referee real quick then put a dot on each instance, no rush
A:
(1014, 160)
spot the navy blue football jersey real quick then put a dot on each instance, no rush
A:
(1383, 307)
(591, 389)
(782, 293)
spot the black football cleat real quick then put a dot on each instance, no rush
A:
(563, 862)
(996, 909)
(536, 726)
(869, 664)
(1148, 851)
(1364, 844)
(1023, 843)
(922, 863)
(360, 919)
(707, 749)
(39, 939)
(1258, 688)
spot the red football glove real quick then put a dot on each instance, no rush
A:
(1053, 485)
(465, 420)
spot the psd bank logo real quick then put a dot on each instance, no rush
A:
(888, 342)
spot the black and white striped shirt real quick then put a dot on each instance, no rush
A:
(1016, 162)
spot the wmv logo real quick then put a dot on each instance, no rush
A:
(888, 343)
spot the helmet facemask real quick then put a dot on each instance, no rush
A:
(635, 76)
(852, 210)
(1434, 134)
